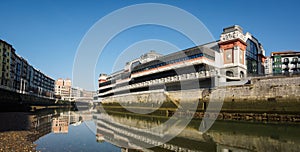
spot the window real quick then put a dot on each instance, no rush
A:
(229, 73)
(278, 60)
(228, 56)
(251, 57)
(242, 74)
(241, 57)
(295, 60)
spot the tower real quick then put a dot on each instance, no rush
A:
(102, 78)
(233, 48)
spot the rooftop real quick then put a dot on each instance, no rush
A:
(289, 52)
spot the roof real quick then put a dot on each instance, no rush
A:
(5, 42)
(285, 53)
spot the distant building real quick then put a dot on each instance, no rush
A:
(268, 66)
(88, 94)
(63, 88)
(16, 74)
(286, 62)
(79, 92)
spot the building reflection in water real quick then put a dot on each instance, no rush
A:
(42, 122)
(133, 132)
(60, 124)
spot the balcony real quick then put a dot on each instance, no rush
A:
(286, 61)
(285, 67)
(295, 60)
(293, 66)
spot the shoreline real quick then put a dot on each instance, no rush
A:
(17, 141)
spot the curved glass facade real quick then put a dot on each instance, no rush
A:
(252, 57)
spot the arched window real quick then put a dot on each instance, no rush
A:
(229, 73)
(242, 74)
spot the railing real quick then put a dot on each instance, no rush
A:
(176, 78)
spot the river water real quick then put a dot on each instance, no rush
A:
(92, 130)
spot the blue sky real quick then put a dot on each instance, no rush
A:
(47, 33)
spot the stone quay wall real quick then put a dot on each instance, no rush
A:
(278, 89)
(271, 95)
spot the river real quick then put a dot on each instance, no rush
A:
(94, 130)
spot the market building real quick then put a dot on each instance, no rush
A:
(234, 57)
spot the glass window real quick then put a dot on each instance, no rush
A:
(251, 57)
(228, 56)
(241, 57)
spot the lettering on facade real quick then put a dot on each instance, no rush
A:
(232, 36)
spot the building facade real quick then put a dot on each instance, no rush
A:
(242, 53)
(77, 92)
(16, 74)
(287, 62)
(63, 88)
(269, 66)
(234, 57)
(5, 59)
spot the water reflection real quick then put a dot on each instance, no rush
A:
(91, 130)
(40, 121)
(132, 132)
(49, 130)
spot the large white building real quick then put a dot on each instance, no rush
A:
(235, 56)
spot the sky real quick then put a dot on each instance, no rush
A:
(48, 33)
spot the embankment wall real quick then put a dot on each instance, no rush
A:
(271, 95)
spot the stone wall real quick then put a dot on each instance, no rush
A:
(285, 89)
(270, 95)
